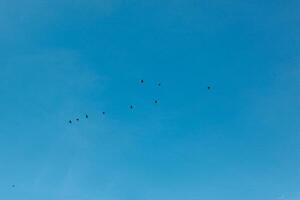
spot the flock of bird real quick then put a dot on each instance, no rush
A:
(130, 106)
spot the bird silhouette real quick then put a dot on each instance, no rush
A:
(142, 81)
(86, 116)
(131, 107)
(103, 113)
(13, 186)
(156, 101)
(208, 87)
(159, 84)
(77, 119)
(70, 121)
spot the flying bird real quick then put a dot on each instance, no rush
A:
(156, 101)
(208, 87)
(77, 119)
(103, 113)
(86, 116)
(142, 81)
(159, 84)
(13, 186)
(70, 121)
(131, 107)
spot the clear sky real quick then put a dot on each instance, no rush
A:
(61, 59)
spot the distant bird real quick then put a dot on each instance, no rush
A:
(208, 87)
(86, 116)
(159, 84)
(156, 101)
(77, 119)
(142, 81)
(13, 186)
(131, 107)
(70, 121)
(103, 113)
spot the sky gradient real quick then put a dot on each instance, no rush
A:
(61, 59)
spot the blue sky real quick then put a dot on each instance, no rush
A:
(62, 59)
